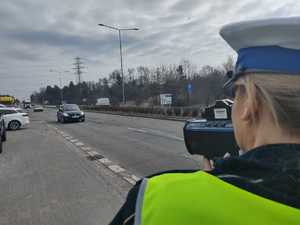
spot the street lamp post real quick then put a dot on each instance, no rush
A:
(121, 54)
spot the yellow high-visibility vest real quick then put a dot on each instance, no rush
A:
(202, 199)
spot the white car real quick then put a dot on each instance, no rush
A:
(14, 118)
(38, 108)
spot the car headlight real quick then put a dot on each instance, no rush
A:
(82, 113)
(65, 114)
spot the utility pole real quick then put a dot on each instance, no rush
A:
(78, 69)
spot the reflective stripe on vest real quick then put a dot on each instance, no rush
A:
(202, 199)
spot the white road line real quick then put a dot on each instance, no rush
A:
(156, 132)
(130, 180)
(163, 134)
(86, 148)
(137, 130)
(135, 178)
(105, 161)
(116, 168)
(93, 153)
(69, 137)
(79, 144)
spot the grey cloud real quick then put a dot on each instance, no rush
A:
(187, 6)
(54, 32)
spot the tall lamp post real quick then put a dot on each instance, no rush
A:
(60, 83)
(121, 56)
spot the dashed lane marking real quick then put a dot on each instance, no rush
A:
(69, 138)
(135, 178)
(105, 161)
(86, 148)
(130, 180)
(156, 132)
(79, 144)
(98, 158)
(137, 130)
(92, 153)
(116, 168)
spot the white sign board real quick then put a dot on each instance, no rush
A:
(103, 101)
(220, 113)
(166, 99)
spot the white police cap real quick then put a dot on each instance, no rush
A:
(268, 46)
(283, 32)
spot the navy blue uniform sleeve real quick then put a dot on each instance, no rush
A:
(125, 216)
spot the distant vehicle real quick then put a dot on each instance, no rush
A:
(70, 113)
(7, 100)
(27, 105)
(14, 118)
(2, 132)
(103, 101)
(38, 108)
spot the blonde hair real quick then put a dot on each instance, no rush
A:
(280, 94)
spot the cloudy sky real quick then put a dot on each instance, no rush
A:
(39, 36)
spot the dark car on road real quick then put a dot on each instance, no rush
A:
(2, 132)
(70, 113)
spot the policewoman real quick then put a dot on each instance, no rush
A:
(261, 186)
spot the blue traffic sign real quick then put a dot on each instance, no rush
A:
(189, 88)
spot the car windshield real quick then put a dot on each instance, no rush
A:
(71, 108)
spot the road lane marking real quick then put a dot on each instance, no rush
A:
(137, 130)
(105, 161)
(86, 148)
(116, 168)
(163, 134)
(69, 138)
(135, 178)
(99, 159)
(92, 153)
(156, 132)
(130, 180)
(79, 144)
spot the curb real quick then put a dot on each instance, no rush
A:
(141, 115)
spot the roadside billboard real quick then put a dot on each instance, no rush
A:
(103, 101)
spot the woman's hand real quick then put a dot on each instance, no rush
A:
(208, 165)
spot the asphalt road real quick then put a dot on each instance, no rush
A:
(141, 145)
(46, 180)
(48, 175)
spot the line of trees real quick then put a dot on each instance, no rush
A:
(143, 85)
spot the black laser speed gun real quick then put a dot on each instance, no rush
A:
(212, 136)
